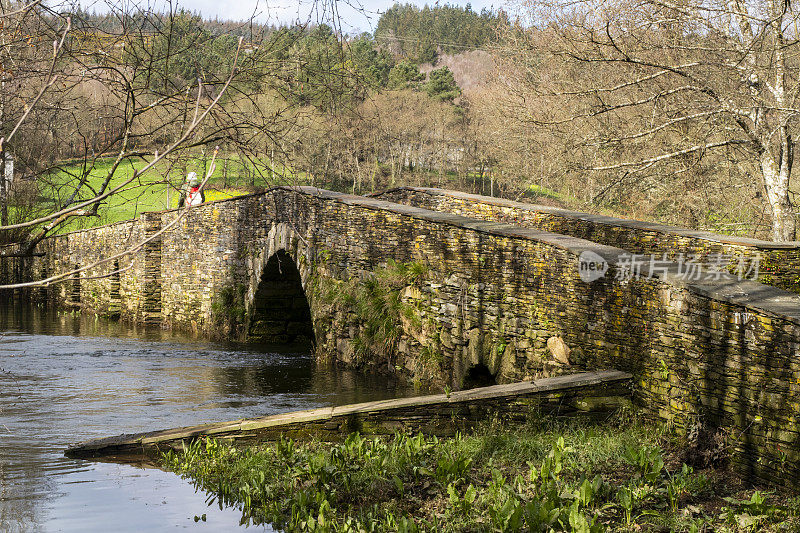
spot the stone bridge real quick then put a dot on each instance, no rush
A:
(451, 289)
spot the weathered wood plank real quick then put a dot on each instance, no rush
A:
(436, 413)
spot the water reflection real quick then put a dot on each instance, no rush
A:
(65, 378)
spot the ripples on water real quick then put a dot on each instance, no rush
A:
(66, 378)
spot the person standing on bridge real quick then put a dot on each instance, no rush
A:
(191, 191)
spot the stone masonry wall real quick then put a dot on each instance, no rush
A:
(115, 288)
(721, 355)
(199, 268)
(779, 263)
(205, 258)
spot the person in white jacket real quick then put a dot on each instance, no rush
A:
(191, 191)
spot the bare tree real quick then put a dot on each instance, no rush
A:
(651, 90)
(79, 92)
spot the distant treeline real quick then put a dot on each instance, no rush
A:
(307, 64)
(405, 30)
(149, 22)
(420, 35)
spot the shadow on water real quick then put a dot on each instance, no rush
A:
(65, 378)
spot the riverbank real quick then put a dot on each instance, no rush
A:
(68, 377)
(623, 474)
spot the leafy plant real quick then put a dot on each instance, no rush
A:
(647, 460)
(462, 503)
(677, 485)
(748, 515)
(542, 479)
(627, 499)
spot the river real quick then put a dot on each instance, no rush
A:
(66, 378)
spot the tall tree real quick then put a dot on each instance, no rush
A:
(668, 85)
(79, 94)
(404, 75)
(442, 85)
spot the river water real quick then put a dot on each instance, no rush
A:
(66, 378)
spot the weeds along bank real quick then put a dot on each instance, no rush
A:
(547, 476)
(440, 298)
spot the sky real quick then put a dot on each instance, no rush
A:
(353, 15)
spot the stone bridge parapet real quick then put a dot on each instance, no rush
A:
(434, 296)
(778, 263)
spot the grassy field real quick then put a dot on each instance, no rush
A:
(621, 475)
(157, 189)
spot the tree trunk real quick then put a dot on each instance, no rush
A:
(776, 183)
(3, 189)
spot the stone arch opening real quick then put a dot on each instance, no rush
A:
(478, 375)
(280, 313)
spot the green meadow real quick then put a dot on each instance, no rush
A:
(155, 190)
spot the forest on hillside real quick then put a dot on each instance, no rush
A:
(653, 120)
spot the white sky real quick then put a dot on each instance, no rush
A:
(354, 15)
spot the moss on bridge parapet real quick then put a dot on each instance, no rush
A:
(779, 263)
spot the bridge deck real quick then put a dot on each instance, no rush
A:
(586, 392)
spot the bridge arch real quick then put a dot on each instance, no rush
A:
(278, 308)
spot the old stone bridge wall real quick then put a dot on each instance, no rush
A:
(117, 287)
(778, 263)
(721, 355)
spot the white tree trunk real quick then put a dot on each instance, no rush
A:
(776, 183)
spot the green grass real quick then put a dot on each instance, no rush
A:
(156, 190)
(538, 191)
(547, 476)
